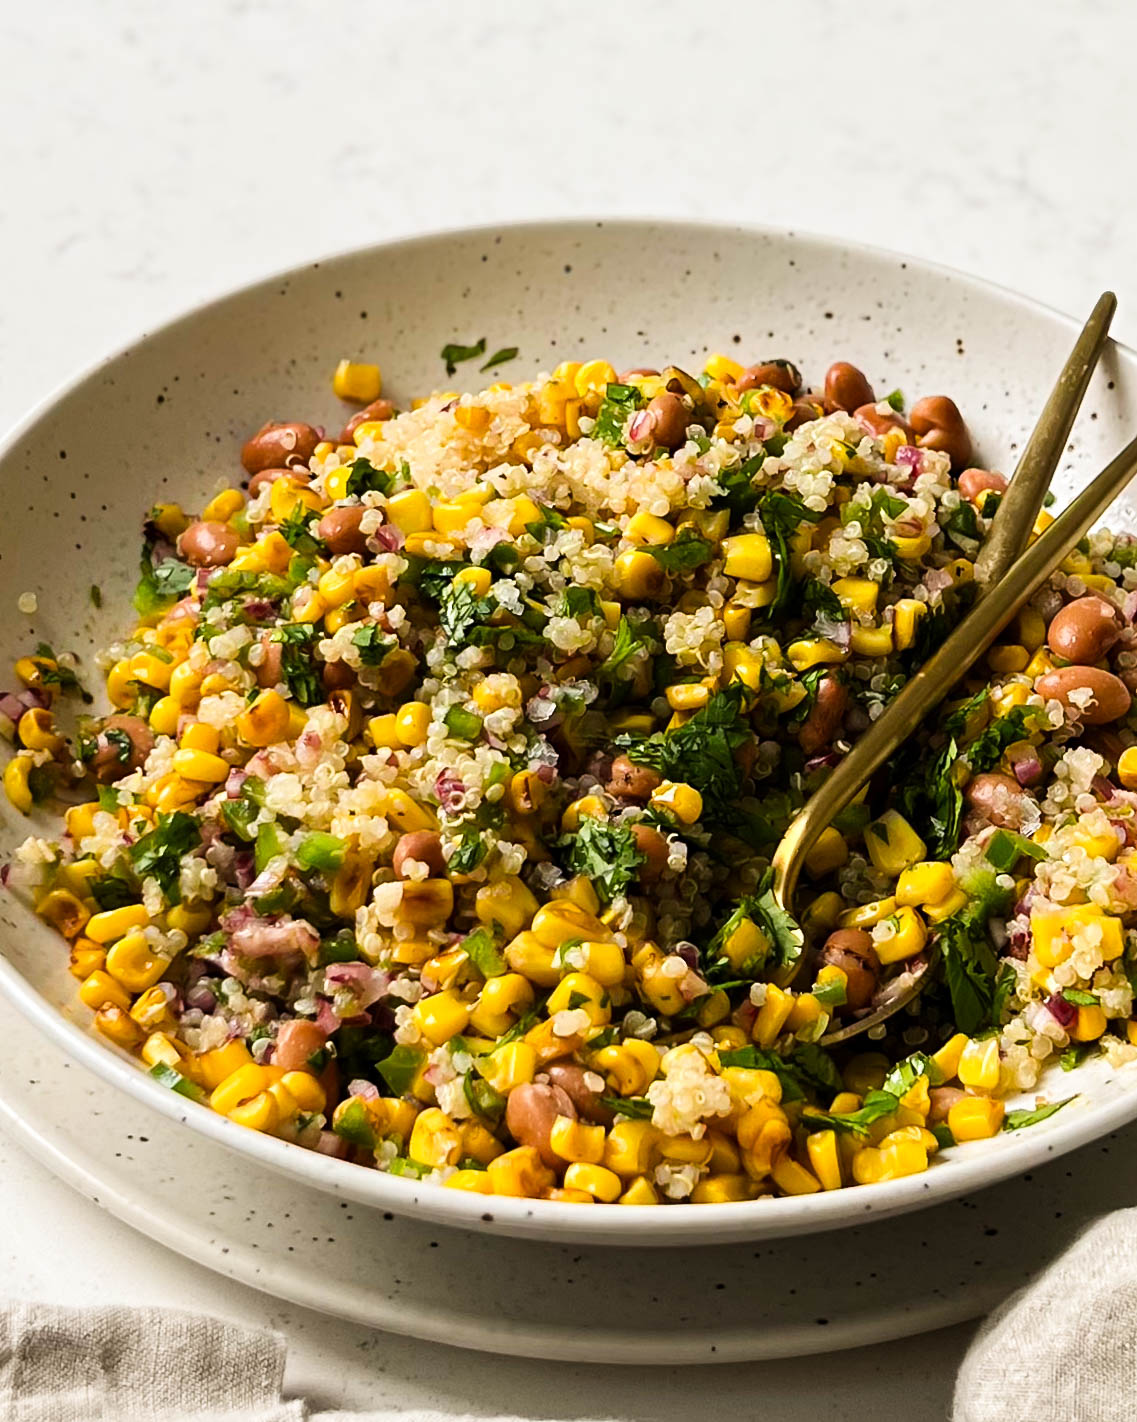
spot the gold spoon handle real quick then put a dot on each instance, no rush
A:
(1019, 506)
(964, 646)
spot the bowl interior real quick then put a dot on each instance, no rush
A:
(165, 419)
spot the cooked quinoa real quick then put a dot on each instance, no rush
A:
(431, 826)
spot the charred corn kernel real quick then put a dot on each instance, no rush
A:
(527, 792)
(519, 1172)
(223, 506)
(629, 1067)
(592, 377)
(412, 723)
(857, 594)
(947, 1058)
(219, 1064)
(814, 652)
(507, 902)
(639, 577)
(441, 1016)
(649, 528)
(902, 935)
(721, 1188)
(266, 721)
(979, 1064)
(772, 1016)
(1091, 1024)
(574, 1141)
(829, 852)
(825, 1158)
(905, 620)
(201, 765)
(866, 915)
(160, 1049)
(85, 958)
(874, 1164)
(351, 884)
(407, 814)
(357, 380)
(105, 927)
(478, 1182)
(527, 955)
(164, 716)
(640, 1192)
(975, 1118)
(410, 511)
(382, 733)
(893, 845)
(679, 800)
(747, 555)
(871, 641)
(118, 1026)
(511, 1065)
(151, 1010)
(435, 1139)
(132, 963)
(199, 735)
(64, 911)
(580, 990)
(595, 1180)
(101, 990)
(925, 883)
(427, 903)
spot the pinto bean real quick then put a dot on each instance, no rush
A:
(1111, 698)
(112, 759)
(631, 781)
(846, 387)
(274, 445)
(572, 1079)
(269, 671)
(340, 530)
(999, 799)
(805, 409)
(208, 545)
(529, 1115)
(653, 846)
(851, 950)
(943, 1098)
(825, 715)
(974, 483)
(938, 425)
(875, 422)
(381, 409)
(259, 482)
(337, 676)
(424, 847)
(781, 374)
(1084, 630)
(296, 1041)
(664, 421)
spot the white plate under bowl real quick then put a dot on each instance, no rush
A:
(568, 1302)
(166, 417)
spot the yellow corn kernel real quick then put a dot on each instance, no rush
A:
(871, 641)
(358, 381)
(243, 1084)
(151, 670)
(1008, 657)
(338, 617)
(639, 577)
(893, 845)
(519, 1172)
(721, 367)
(185, 680)
(215, 1066)
(412, 723)
(199, 735)
(630, 1148)
(435, 1139)
(515, 1064)
(17, 784)
(574, 1141)
(64, 911)
(595, 1180)
(749, 1085)
(498, 1002)
(407, 814)
(36, 731)
(266, 720)
(857, 594)
(201, 765)
(688, 696)
(905, 620)
(825, 1158)
(579, 990)
(1053, 934)
(305, 1091)
(592, 377)
(979, 1064)
(441, 1016)
(120, 684)
(794, 1179)
(936, 913)
(160, 1049)
(975, 1118)
(105, 927)
(527, 955)
(682, 801)
(561, 919)
(1091, 1024)
(872, 1164)
(948, 1057)
(118, 1026)
(101, 990)
(772, 1016)
(132, 963)
(829, 852)
(747, 555)
(223, 506)
(351, 884)
(478, 1182)
(902, 935)
(814, 652)
(151, 1010)
(367, 430)
(381, 731)
(164, 716)
(629, 1067)
(909, 548)
(866, 915)
(640, 1192)
(410, 511)
(603, 962)
(478, 579)
(507, 902)
(427, 903)
(287, 495)
(85, 958)
(514, 515)
(80, 820)
(649, 529)
(925, 883)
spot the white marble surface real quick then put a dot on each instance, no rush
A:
(156, 155)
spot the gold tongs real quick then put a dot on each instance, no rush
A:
(1007, 576)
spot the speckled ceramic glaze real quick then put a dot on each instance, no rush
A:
(166, 417)
(569, 1302)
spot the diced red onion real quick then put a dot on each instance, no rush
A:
(1063, 1012)
(450, 790)
(233, 783)
(367, 984)
(365, 1090)
(1028, 770)
(387, 538)
(333, 1145)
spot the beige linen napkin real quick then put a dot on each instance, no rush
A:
(1063, 1349)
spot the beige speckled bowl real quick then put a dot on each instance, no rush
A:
(165, 418)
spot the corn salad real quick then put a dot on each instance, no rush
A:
(431, 824)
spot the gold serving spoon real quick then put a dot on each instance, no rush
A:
(1008, 582)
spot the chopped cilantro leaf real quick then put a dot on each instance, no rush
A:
(158, 854)
(453, 354)
(507, 353)
(400, 1068)
(482, 949)
(604, 853)
(1017, 1120)
(373, 644)
(683, 554)
(619, 404)
(161, 584)
(471, 850)
(366, 479)
(298, 663)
